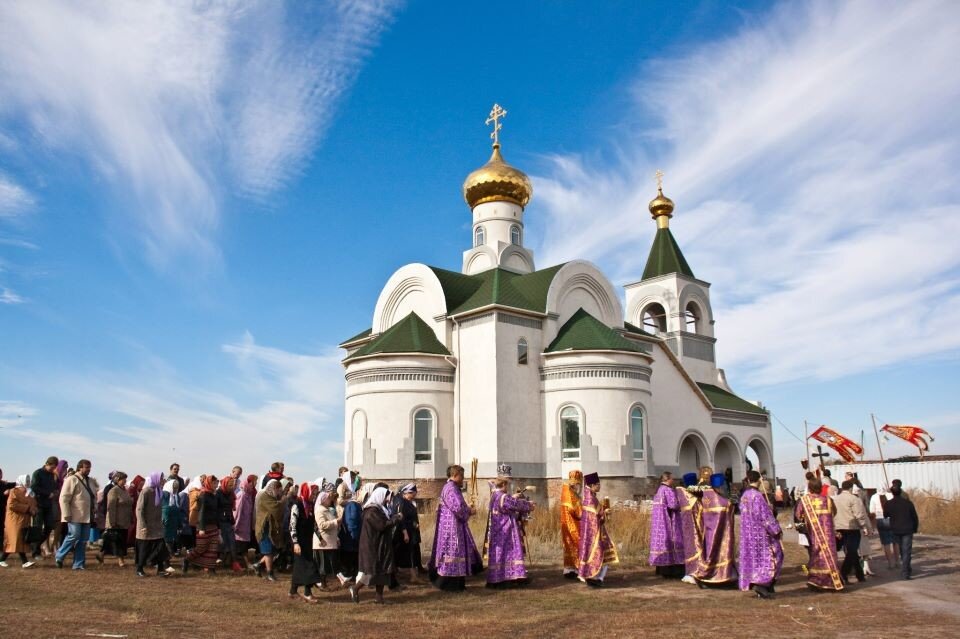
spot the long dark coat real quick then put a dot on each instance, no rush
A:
(376, 546)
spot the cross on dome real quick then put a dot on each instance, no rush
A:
(496, 113)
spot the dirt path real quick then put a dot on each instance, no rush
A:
(106, 600)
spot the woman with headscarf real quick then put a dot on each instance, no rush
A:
(207, 550)
(302, 532)
(406, 540)
(119, 513)
(243, 516)
(172, 509)
(269, 526)
(150, 547)
(21, 507)
(194, 490)
(376, 545)
(351, 521)
(134, 488)
(326, 540)
(226, 496)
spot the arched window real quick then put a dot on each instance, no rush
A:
(478, 237)
(654, 319)
(515, 235)
(636, 431)
(691, 318)
(423, 435)
(522, 351)
(570, 432)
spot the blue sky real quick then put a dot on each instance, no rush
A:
(197, 203)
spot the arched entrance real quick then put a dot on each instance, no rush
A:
(727, 455)
(692, 454)
(758, 456)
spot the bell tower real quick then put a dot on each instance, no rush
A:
(670, 302)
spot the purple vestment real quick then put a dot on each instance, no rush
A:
(716, 560)
(505, 550)
(243, 517)
(595, 547)
(454, 551)
(761, 554)
(816, 511)
(708, 540)
(666, 531)
(689, 518)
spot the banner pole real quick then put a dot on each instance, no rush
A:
(883, 463)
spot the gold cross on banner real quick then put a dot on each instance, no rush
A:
(496, 113)
(659, 176)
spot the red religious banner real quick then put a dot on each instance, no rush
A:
(845, 447)
(912, 435)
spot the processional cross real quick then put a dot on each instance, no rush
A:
(820, 454)
(659, 176)
(496, 113)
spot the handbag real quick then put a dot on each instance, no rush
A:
(883, 523)
(32, 534)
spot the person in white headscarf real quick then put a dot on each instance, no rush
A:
(21, 507)
(376, 560)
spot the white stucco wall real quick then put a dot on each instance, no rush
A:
(519, 431)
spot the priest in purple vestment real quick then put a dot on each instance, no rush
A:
(666, 530)
(504, 547)
(596, 552)
(761, 553)
(814, 514)
(455, 555)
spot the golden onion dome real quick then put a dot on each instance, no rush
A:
(497, 181)
(661, 205)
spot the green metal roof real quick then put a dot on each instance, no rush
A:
(665, 257)
(359, 335)
(721, 398)
(584, 332)
(496, 286)
(409, 335)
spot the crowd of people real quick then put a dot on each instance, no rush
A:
(692, 534)
(355, 535)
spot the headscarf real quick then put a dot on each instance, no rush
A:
(135, 486)
(306, 504)
(250, 486)
(61, 472)
(408, 488)
(227, 484)
(269, 512)
(361, 495)
(153, 481)
(285, 483)
(378, 499)
(171, 488)
(23, 481)
(209, 483)
(323, 495)
(195, 484)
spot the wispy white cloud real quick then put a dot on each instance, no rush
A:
(813, 163)
(8, 296)
(280, 405)
(15, 413)
(158, 97)
(14, 199)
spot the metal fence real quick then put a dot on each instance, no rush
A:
(935, 476)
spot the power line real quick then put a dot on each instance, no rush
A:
(784, 426)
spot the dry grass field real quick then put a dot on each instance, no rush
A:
(109, 601)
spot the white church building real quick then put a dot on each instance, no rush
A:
(544, 370)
